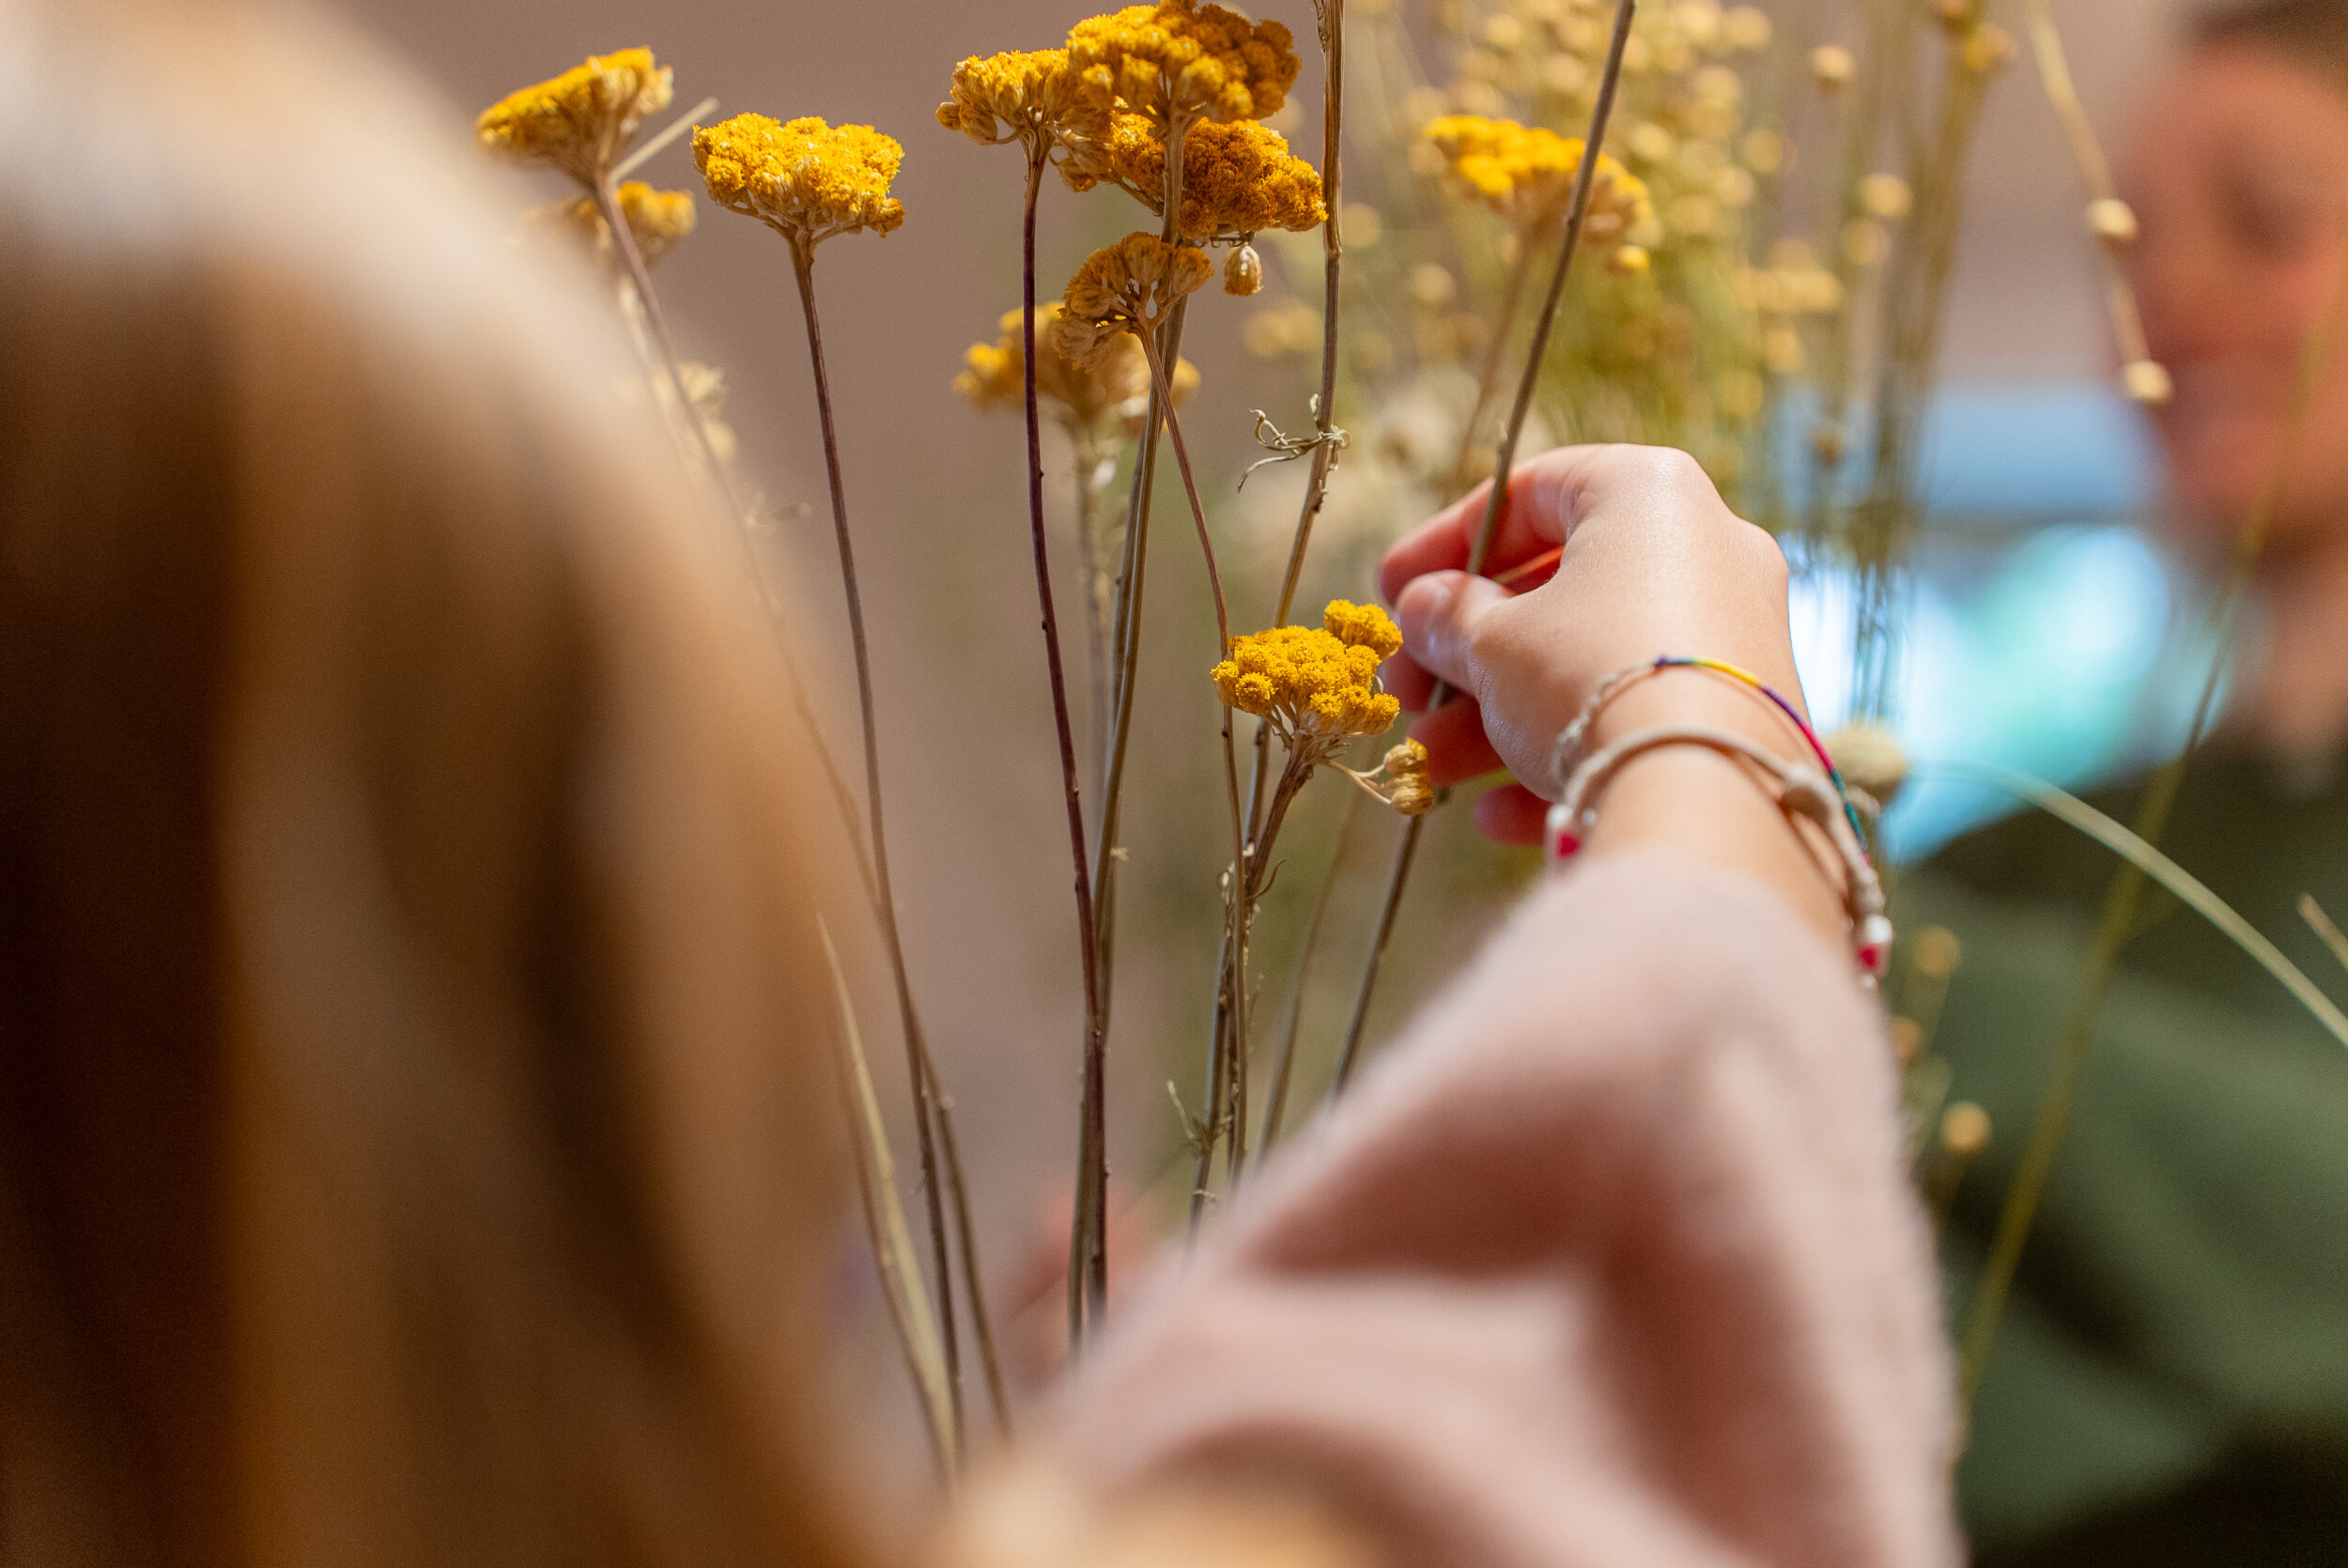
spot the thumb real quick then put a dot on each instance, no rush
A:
(1438, 614)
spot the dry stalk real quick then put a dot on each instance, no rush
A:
(2054, 71)
(1497, 503)
(1914, 307)
(918, 1069)
(1096, 1038)
(1276, 1098)
(916, 1037)
(1326, 440)
(893, 1256)
(1087, 1243)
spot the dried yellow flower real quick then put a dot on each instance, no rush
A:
(803, 179)
(1034, 97)
(1132, 286)
(1832, 66)
(1885, 196)
(1179, 62)
(1964, 1129)
(1362, 626)
(1409, 788)
(657, 218)
(1526, 175)
(1237, 179)
(1312, 686)
(1986, 48)
(580, 121)
(993, 376)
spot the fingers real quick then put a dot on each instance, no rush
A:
(1456, 746)
(1511, 814)
(1541, 496)
(1408, 681)
(1438, 614)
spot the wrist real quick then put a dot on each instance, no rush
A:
(1707, 760)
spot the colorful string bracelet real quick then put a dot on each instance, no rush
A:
(1575, 735)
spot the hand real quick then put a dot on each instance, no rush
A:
(1653, 562)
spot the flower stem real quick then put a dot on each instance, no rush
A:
(2127, 887)
(803, 268)
(1092, 1137)
(624, 242)
(1088, 456)
(1489, 373)
(1190, 489)
(1915, 304)
(1495, 505)
(916, 1037)
(1331, 16)
(1277, 1099)
(1232, 982)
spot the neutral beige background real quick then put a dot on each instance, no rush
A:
(933, 488)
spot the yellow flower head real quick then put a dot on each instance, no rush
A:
(993, 376)
(1526, 175)
(1029, 96)
(803, 179)
(1311, 684)
(1237, 179)
(1132, 286)
(1179, 62)
(580, 121)
(657, 218)
(1362, 626)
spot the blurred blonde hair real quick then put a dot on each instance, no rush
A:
(409, 1018)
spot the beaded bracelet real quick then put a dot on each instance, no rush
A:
(1570, 740)
(1801, 791)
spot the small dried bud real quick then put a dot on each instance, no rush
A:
(1242, 274)
(1869, 758)
(1409, 789)
(2112, 221)
(1432, 284)
(1885, 196)
(1937, 952)
(1832, 66)
(1746, 29)
(2146, 382)
(1964, 1129)
(1828, 441)
(1907, 1040)
(1988, 48)
(1865, 241)
(1956, 14)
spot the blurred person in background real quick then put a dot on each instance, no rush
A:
(2169, 1385)
(2171, 1382)
(413, 1045)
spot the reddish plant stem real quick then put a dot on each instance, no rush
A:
(1092, 1142)
(924, 1111)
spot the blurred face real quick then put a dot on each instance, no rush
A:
(2238, 172)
